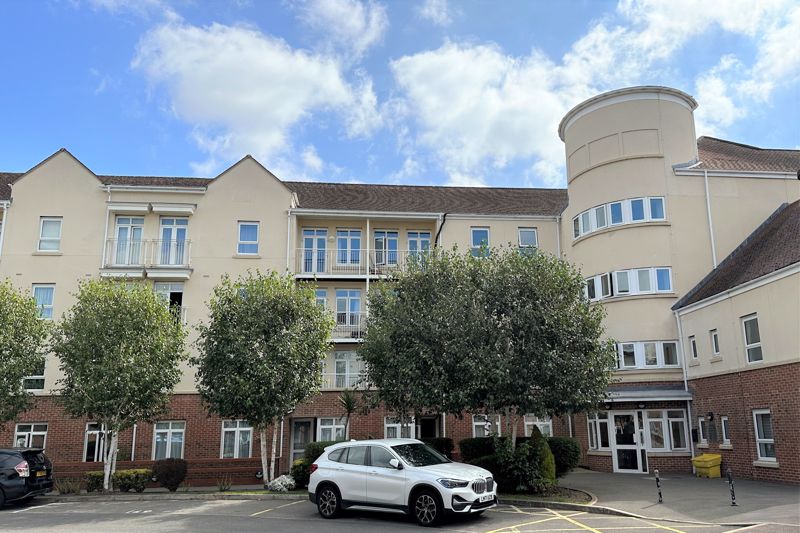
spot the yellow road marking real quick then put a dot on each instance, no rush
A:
(659, 526)
(571, 521)
(278, 507)
(515, 526)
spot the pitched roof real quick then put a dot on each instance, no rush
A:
(6, 179)
(154, 181)
(775, 244)
(718, 154)
(429, 199)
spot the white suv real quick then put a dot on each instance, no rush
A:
(403, 475)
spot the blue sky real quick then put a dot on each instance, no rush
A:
(411, 92)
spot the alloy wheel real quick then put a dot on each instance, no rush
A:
(426, 509)
(327, 502)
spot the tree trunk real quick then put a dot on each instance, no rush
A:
(262, 433)
(114, 450)
(274, 446)
(109, 441)
(347, 427)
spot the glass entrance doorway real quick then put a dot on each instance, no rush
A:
(628, 451)
(302, 431)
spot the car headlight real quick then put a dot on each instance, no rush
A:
(452, 483)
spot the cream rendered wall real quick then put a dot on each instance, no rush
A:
(502, 231)
(778, 319)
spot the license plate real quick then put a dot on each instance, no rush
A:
(41, 473)
(486, 498)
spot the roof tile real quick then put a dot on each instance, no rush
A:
(718, 154)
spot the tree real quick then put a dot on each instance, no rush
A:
(262, 351)
(22, 339)
(349, 403)
(506, 333)
(120, 349)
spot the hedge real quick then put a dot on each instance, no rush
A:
(170, 473)
(567, 453)
(135, 479)
(475, 448)
(443, 445)
(315, 449)
(301, 472)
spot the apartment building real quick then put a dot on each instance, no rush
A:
(647, 212)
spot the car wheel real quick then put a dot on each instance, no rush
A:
(427, 509)
(328, 502)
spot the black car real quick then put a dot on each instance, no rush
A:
(24, 474)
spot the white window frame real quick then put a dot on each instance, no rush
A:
(483, 420)
(593, 424)
(693, 348)
(635, 277)
(321, 298)
(240, 242)
(650, 208)
(655, 279)
(338, 422)
(528, 246)
(725, 426)
(760, 440)
(39, 376)
(596, 211)
(702, 430)
(242, 426)
(419, 238)
(530, 421)
(30, 433)
(42, 307)
(662, 420)
(748, 347)
(684, 425)
(586, 221)
(348, 296)
(98, 450)
(393, 422)
(639, 352)
(576, 227)
(714, 338)
(476, 250)
(42, 238)
(169, 431)
(349, 235)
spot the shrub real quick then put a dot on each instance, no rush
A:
(442, 445)
(94, 481)
(224, 483)
(135, 479)
(528, 468)
(476, 447)
(68, 485)
(282, 483)
(492, 464)
(315, 449)
(170, 473)
(301, 472)
(567, 453)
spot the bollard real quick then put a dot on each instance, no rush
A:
(658, 486)
(730, 482)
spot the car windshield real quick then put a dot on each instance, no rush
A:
(418, 454)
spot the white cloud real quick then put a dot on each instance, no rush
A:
(718, 109)
(411, 169)
(141, 8)
(350, 27)
(311, 159)
(435, 11)
(458, 179)
(243, 91)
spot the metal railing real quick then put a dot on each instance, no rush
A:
(349, 326)
(310, 261)
(332, 381)
(147, 253)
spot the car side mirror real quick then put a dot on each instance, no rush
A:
(396, 464)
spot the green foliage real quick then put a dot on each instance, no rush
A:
(94, 481)
(443, 445)
(262, 351)
(224, 483)
(507, 333)
(476, 447)
(529, 467)
(120, 349)
(69, 485)
(22, 339)
(132, 480)
(301, 472)
(315, 449)
(170, 473)
(491, 463)
(567, 453)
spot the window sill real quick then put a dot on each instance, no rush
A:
(716, 358)
(760, 361)
(42, 252)
(726, 446)
(694, 363)
(703, 446)
(766, 464)
(600, 453)
(626, 298)
(615, 227)
(247, 256)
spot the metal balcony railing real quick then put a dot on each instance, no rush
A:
(172, 253)
(332, 381)
(349, 326)
(125, 253)
(147, 253)
(353, 262)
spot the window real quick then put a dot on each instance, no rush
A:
(714, 341)
(380, 457)
(30, 435)
(606, 285)
(628, 355)
(348, 307)
(393, 429)
(49, 234)
(128, 246)
(643, 279)
(623, 282)
(386, 247)
(600, 217)
(765, 438)
(35, 381)
(348, 242)
(576, 227)
(656, 430)
(616, 213)
(545, 425)
(666, 430)
(93, 442)
(677, 429)
(330, 429)
(168, 440)
(586, 223)
(591, 289)
(237, 439)
(629, 282)
(670, 353)
(356, 455)
(321, 298)
(314, 250)
(598, 431)
(648, 354)
(693, 346)
(663, 281)
(657, 209)
(702, 430)
(418, 242)
(528, 240)
(637, 210)
(248, 238)
(43, 294)
(485, 426)
(348, 368)
(752, 339)
(174, 246)
(480, 242)
(726, 430)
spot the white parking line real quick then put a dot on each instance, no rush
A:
(30, 508)
(278, 507)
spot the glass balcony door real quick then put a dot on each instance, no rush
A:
(173, 241)
(386, 248)
(314, 248)
(128, 247)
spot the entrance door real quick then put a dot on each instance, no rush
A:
(302, 430)
(314, 242)
(627, 443)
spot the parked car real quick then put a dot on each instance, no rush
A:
(400, 475)
(24, 474)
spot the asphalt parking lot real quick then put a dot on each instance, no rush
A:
(300, 516)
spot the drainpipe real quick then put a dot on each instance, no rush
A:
(289, 250)
(558, 250)
(367, 239)
(105, 231)
(685, 383)
(444, 425)
(443, 218)
(710, 221)
(133, 444)
(5, 206)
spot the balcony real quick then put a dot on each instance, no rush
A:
(350, 327)
(351, 263)
(158, 259)
(332, 381)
